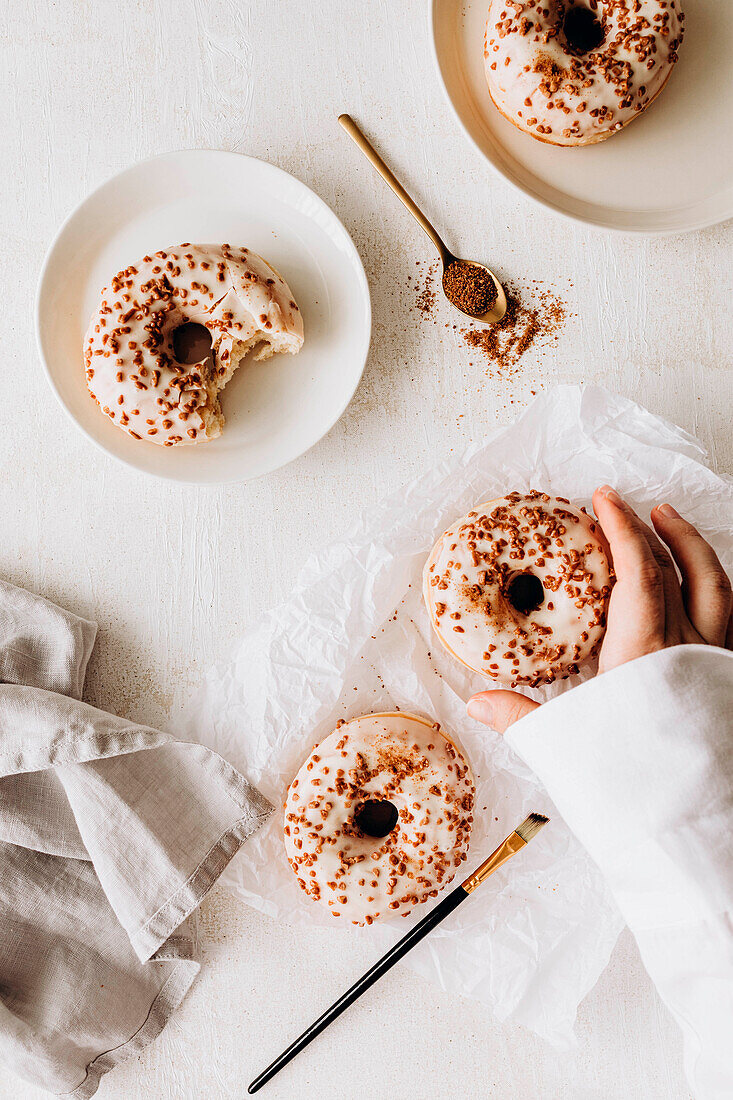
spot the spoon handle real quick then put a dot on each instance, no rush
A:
(389, 178)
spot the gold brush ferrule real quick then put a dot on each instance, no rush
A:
(505, 851)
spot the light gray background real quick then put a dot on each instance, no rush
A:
(173, 574)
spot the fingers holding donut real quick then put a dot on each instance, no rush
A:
(706, 588)
(650, 609)
(637, 610)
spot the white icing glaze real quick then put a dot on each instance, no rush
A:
(130, 363)
(568, 98)
(398, 757)
(467, 578)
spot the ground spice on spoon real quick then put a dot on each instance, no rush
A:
(469, 287)
(534, 316)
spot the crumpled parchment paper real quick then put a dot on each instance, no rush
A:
(353, 637)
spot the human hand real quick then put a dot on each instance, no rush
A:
(649, 609)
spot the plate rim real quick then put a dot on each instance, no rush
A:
(236, 479)
(547, 204)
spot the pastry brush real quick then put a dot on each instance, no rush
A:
(509, 847)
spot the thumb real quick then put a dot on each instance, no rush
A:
(499, 709)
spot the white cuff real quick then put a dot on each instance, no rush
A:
(639, 762)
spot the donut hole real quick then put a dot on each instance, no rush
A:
(191, 343)
(377, 817)
(583, 30)
(525, 593)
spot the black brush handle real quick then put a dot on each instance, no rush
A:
(408, 941)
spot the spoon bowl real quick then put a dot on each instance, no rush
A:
(499, 306)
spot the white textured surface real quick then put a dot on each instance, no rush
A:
(172, 574)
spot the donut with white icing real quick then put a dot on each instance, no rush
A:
(379, 816)
(518, 589)
(130, 352)
(572, 73)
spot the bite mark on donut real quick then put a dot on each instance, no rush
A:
(130, 350)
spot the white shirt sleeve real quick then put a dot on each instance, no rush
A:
(639, 762)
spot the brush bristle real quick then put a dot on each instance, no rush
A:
(531, 826)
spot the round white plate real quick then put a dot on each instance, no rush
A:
(274, 410)
(669, 171)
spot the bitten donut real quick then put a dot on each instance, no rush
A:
(130, 349)
(573, 74)
(518, 589)
(379, 816)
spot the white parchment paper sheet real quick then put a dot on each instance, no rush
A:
(353, 637)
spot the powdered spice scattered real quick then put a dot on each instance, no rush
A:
(534, 316)
(503, 344)
(425, 288)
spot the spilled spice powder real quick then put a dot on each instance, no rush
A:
(426, 295)
(534, 316)
(502, 345)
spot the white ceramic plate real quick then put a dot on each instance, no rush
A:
(274, 410)
(669, 171)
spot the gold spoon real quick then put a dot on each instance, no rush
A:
(447, 258)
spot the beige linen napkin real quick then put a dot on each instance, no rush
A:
(110, 835)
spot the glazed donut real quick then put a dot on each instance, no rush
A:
(518, 589)
(130, 348)
(378, 818)
(574, 73)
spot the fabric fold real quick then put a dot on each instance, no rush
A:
(111, 833)
(177, 808)
(42, 645)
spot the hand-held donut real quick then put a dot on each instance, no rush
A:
(518, 589)
(379, 816)
(573, 73)
(130, 350)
